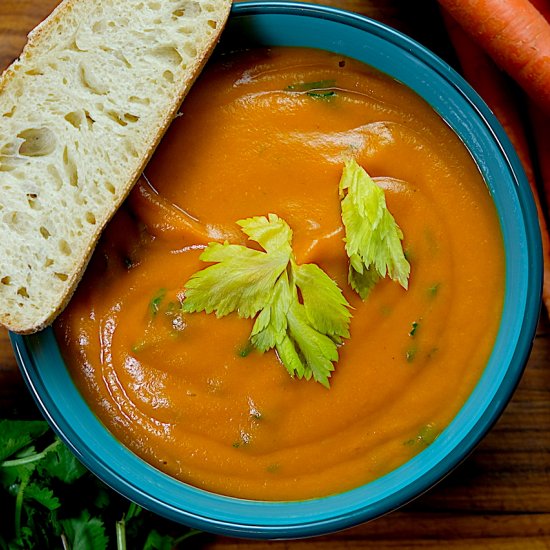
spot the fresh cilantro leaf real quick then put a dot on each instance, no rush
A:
(85, 532)
(299, 309)
(61, 464)
(15, 435)
(42, 495)
(373, 238)
(156, 541)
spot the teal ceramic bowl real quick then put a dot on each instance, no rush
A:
(292, 24)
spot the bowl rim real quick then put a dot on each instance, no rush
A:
(259, 519)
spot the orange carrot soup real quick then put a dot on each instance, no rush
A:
(269, 132)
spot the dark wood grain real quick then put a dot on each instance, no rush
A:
(499, 498)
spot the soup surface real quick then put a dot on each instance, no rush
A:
(185, 391)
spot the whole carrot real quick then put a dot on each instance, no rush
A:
(541, 133)
(515, 34)
(495, 88)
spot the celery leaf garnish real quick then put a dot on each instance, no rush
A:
(299, 310)
(373, 238)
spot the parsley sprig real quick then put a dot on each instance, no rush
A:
(48, 500)
(300, 311)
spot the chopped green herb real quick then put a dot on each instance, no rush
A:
(266, 285)
(308, 86)
(245, 350)
(322, 94)
(426, 435)
(433, 290)
(410, 355)
(414, 328)
(373, 238)
(317, 90)
(154, 304)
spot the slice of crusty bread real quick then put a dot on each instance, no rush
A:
(81, 112)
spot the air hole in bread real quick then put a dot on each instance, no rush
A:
(99, 26)
(90, 81)
(54, 173)
(75, 118)
(37, 142)
(140, 100)
(113, 115)
(190, 49)
(10, 113)
(168, 54)
(180, 12)
(131, 148)
(70, 168)
(34, 72)
(168, 76)
(154, 5)
(130, 117)
(90, 218)
(64, 247)
(48, 262)
(6, 280)
(7, 164)
(186, 30)
(22, 291)
(10, 218)
(121, 57)
(191, 9)
(45, 233)
(110, 187)
(213, 24)
(32, 201)
(61, 276)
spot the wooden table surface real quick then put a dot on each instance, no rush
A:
(500, 496)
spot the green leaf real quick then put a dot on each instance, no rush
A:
(15, 435)
(85, 532)
(266, 285)
(271, 324)
(373, 238)
(241, 281)
(42, 495)
(317, 349)
(62, 464)
(325, 306)
(156, 541)
(271, 232)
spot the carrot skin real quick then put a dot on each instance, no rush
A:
(515, 34)
(494, 87)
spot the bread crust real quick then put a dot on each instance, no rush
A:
(21, 321)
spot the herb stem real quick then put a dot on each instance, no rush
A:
(19, 506)
(64, 542)
(30, 458)
(121, 534)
